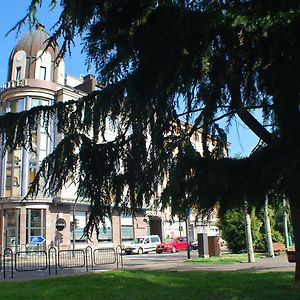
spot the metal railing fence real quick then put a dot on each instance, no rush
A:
(54, 259)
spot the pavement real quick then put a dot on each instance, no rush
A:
(164, 262)
(276, 264)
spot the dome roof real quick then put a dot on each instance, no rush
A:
(27, 59)
(35, 41)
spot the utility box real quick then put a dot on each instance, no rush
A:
(214, 248)
(202, 245)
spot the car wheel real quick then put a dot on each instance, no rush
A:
(159, 252)
(173, 249)
(140, 251)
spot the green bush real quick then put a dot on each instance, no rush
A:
(232, 226)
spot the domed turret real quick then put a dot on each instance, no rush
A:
(32, 59)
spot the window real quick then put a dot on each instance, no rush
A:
(18, 73)
(35, 223)
(14, 158)
(15, 105)
(41, 145)
(154, 240)
(13, 174)
(80, 221)
(105, 232)
(127, 232)
(12, 229)
(42, 74)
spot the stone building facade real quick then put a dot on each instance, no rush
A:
(36, 77)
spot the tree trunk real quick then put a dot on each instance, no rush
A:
(248, 232)
(295, 214)
(285, 223)
(268, 229)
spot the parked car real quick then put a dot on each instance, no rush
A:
(178, 244)
(142, 244)
(194, 245)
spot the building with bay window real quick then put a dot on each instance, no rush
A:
(36, 77)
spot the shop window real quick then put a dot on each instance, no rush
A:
(35, 223)
(127, 232)
(77, 230)
(12, 227)
(105, 232)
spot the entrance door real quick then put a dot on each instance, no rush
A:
(155, 226)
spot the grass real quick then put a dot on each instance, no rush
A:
(225, 259)
(143, 285)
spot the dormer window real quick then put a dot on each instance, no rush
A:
(42, 74)
(18, 73)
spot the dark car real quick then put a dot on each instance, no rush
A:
(178, 244)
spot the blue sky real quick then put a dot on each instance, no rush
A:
(241, 139)
(14, 10)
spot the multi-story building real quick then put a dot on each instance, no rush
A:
(36, 77)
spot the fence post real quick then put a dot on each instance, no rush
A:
(119, 255)
(52, 249)
(90, 250)
(12, 262)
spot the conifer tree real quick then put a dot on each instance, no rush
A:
(164, 64)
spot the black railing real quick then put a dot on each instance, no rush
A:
(8, 259)
(89, 258)
(31, 261)
(23, 261)
(119, 256)
(104, 256)
(69, 259)
(52, 259)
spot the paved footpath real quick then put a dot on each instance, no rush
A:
(173, 262)
(277, 264)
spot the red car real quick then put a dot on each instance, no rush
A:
(179, 243)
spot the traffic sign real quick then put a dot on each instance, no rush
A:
(60, 224)
(37, 239)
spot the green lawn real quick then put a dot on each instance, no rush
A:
(225, 259)
(139, 285)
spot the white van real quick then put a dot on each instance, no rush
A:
(143, 244)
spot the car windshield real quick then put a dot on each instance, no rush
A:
(138, 241)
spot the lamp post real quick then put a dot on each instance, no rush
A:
(74, 210)
(187, 223)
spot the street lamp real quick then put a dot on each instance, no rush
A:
(74, 226)
(187, 223)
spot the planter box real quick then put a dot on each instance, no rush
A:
(291, 255)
